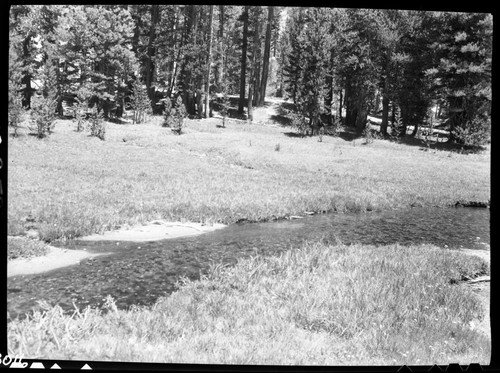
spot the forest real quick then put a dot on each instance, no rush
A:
(335, 66)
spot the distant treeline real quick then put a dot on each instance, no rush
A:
(397, 63)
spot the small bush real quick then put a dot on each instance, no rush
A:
(81, 108)
(168, 114)
(335, 128)
(475, 133)
(367, 134)
(15, 111)
(298, 121)
(396, 128)
(96, 125)
(225, 105)
(173, 117)
(43, 115)
(140, 103)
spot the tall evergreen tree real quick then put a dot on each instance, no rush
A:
(241, 102)
(462, 72)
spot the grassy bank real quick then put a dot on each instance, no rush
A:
(23, 247)
(318, 304)
(69, 184)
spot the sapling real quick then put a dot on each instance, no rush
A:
(43, 115)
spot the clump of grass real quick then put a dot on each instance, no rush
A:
(319, 304)
(23, 247)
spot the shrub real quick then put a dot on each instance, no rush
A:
(179, 115)
(80, 111)
(81, 107)
(97, 126)
(396, 128)
(474, 134)
(15, 110)
(298, 121)
(168, 114)
(140, 103)
(225, 104)
(43, 114)
(335, 128)
(367, 134)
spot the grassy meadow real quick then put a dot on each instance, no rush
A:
(321, 304)
(70, 184)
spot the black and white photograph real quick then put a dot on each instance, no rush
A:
(250, 185)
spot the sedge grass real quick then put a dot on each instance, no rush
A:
(319, 304)
(23, 247)
(73, 184)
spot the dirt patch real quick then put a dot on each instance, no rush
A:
(154, 231)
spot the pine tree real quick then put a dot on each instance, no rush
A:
(44, 105)
(312, 56)
(15, 107)
(462, 73)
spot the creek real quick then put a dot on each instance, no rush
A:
(139, 273)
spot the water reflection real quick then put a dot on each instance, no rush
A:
(139, 273)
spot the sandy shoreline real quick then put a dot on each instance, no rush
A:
(153, 231)
(60, 257)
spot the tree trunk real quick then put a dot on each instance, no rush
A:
(329, 94)
(415, 130)
(241, 103)
(220, 72)
(350, 105)
(404, 121)
(362, 113)
(191, 29)
(250, 96)
(385, 115)
(175, 59)
(258, 57)
(341, 99)
(199, 102)
(267, 52)
(207, 85)
(26, 79)
(155, 15)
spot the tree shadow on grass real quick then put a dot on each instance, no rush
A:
(117, 120)
(281, 120)
(294, 134)
(348, 135)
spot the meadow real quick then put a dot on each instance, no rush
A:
(70, 184)
(323, 303)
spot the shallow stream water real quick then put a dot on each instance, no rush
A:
(139, 273)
